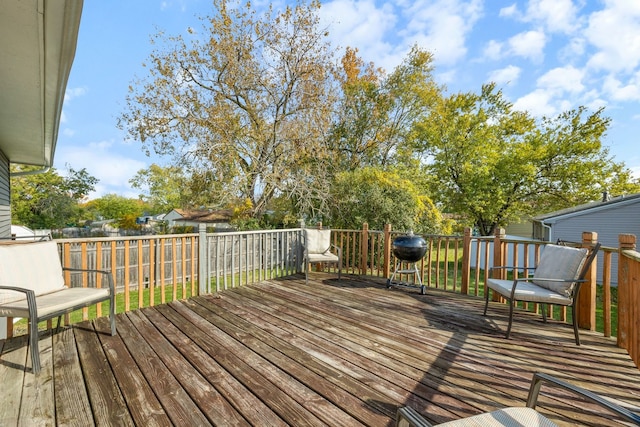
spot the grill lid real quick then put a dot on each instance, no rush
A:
(409, 247)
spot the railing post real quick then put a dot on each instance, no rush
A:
(203, 279)
(587, 295)
(387, 250)
(498, 258)
(364, 246)
(625, 303)
(466, 260)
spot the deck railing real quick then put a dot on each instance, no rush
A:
(152, 270)
(629, 297)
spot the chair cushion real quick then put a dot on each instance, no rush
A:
(325, 257)
(34, 265)
(504, 417)
(317, 241)
(56, 302)
(559, 262)
(527, 291)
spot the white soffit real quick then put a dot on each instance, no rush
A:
(37, 46)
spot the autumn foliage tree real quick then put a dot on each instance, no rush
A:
(255, 115)
(377, 111)
(244, 104)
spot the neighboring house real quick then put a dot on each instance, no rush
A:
(37, 46)
(609, 218)
(25, 233)
(218, 219)
(522, 228)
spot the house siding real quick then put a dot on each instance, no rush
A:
(608, 223)
(5, 196)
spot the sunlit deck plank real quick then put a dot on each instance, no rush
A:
(108, 404)
(71, 399)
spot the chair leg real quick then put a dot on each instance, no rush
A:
(33, 345)
(306, 273)
(574, 315)
(544, 312)
(486, 301)
(511, 303)
(59, 323)
(112, 315)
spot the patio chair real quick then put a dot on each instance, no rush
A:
(556, 280)
(32, 285)
(518, 416)
(318, 249)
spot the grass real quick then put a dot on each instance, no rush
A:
(20, 327)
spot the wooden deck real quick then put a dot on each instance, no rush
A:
(337, 353)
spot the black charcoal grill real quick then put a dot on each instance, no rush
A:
(408, 250)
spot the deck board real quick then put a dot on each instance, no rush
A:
(343, 352)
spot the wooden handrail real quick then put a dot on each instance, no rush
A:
(151, 270)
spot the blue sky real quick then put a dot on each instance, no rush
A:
(547, 56)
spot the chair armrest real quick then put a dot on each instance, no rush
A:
(531, 279)
(539, 378)
(338, 249)
(408, 417)
(31, 299)
(18, 289)
(88, 270)
(509, 267)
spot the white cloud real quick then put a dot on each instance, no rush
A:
(361, 24)
(619, 91)
(101, 161)
(563, 79)
(509, 11)
(74, 92)
(505, 75)
(385, 32)
(529, 44)
(441, 26)
(493, 50)
(615, 32)
(554, 15)
(573, 50)
(538, 103)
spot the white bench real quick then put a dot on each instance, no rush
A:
(32, 286)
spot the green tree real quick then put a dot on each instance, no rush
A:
(164, 188)
(48, 200)
(119, 208)
(246, 108)
(494, 164)
(380, 197)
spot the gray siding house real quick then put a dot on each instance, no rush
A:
(609, 218)
(37, 46)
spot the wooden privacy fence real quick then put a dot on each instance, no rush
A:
(152, 270)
